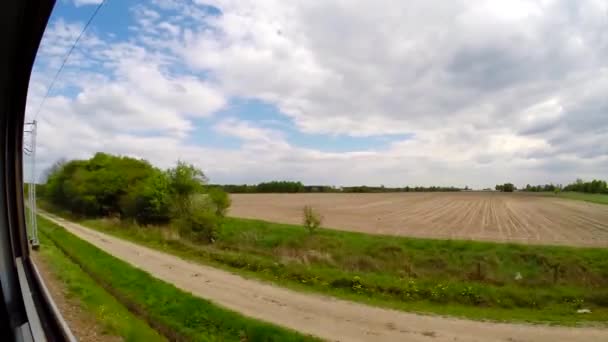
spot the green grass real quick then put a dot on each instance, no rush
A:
(461, 278)
(111, 315)
(183, 315)
(581, 196)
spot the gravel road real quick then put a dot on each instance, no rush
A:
(325, 317)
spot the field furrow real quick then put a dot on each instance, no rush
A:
(516, 217)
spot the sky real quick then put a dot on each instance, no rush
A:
(338, 92)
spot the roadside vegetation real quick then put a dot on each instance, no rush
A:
(177, 314)
(112, 316)
(479, 280)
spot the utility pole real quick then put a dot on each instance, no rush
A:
(30, 150)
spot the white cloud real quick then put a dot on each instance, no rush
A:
(478, 81)
(393, 67)
(251, 134)
(172, 29)
(79, 3)
(489, 91)
(123, 98)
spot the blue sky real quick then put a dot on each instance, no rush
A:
(267, 115)
(116, 23)
(474, 94)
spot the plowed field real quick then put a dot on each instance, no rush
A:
(489, 216)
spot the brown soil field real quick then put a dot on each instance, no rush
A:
(489, 216)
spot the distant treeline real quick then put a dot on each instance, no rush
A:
(298, 187)
(542, 188)
(595, 186)
(403, 189)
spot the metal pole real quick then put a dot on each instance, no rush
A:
(31, 211)
(33, 208)
(33, 223)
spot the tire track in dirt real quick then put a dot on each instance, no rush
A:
(572, 228)
(495, 222)
(437, 219)
(518, 223)
(463, 213)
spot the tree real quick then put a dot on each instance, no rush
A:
(197, 215)
(508, 187)
(103, 185)
(153, 200)
(220, 200)
(134, 189)
(185, 180)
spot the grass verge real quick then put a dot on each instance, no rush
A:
(479, 280)
(111, 315)
(179, 315)
(580, 196)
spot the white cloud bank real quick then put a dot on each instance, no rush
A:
(490, 90)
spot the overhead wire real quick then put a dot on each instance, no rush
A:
(67, 56)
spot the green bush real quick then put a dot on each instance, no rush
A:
(153, 200)
(197, 221)
(102, 185)
(220, 200)
(107, 185)
(199, 226)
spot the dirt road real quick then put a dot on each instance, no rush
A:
(517, 217)
(325, 317)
